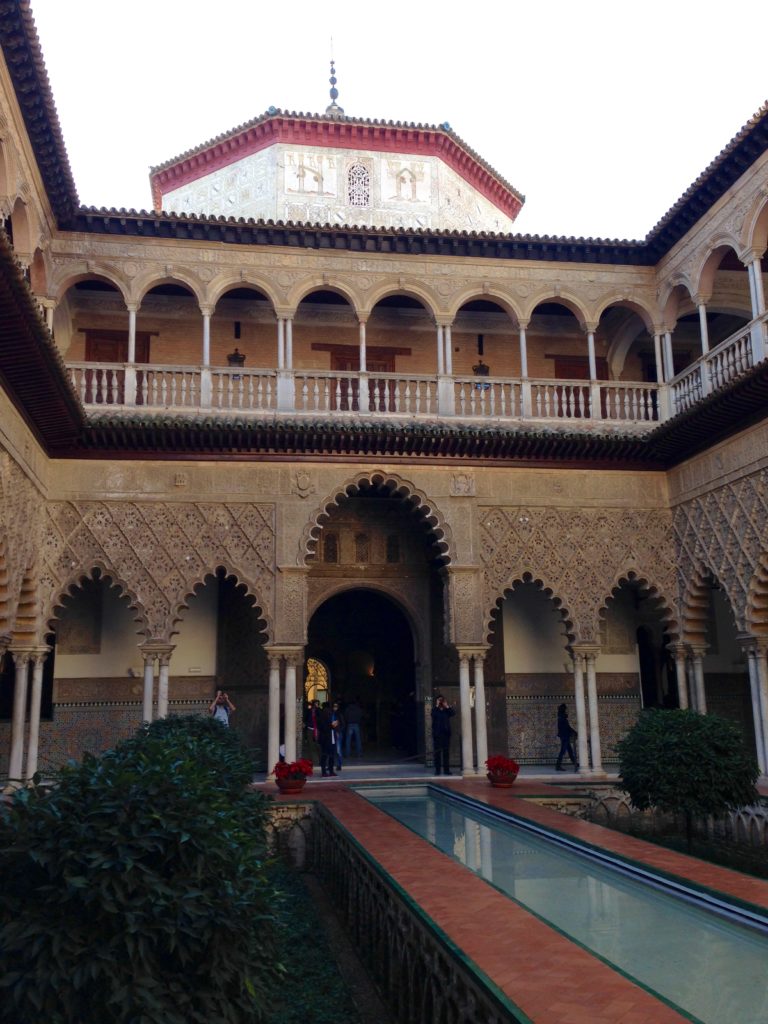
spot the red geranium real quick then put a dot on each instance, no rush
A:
(501, 765)
(293, 769)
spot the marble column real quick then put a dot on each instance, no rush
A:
(164, 659)
(273, 724)
(523, 350)
(206, 337)
(280, 343)
(761, 647)
(703, 328)
(591, 355)
(680, 655)
(697, 658)
(467, 760)
(149, 685)
(21, 660)
(440, 350)
(594, 717)
(581, 712)
(448, 349)
(660, 376)
(290, 705)
(33, 747)
(362, 347)
(481, 714)
(289, 343)
(753, 654)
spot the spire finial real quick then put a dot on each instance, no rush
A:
(333, 109)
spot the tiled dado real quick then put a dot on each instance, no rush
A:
(549, 978)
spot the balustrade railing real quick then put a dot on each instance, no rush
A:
(151, 387)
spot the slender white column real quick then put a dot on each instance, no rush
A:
(594, 719)
(289, 343)
(440, 350)
(669, 358)
(581, 712)
(280, 343)
(467, 760)
(757, 276)
(657, 355)
(448, 350)
(19, 713)
(698, 678)
(38, 660)
(682, 676)
(290, 708)
(362, 347)
(757, 716)
(131, 334)
(149, 686)
(273, 725)
(523, 352)
(162, 684)
(752, 288)
(49, 317)
(206, 338)
(762, 675)
(481, 720)
(591, 354)
(704, 329)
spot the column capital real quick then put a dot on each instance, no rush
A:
(156, 649)
(443, 320)
(362, 318)
(206, 310)
(522, 323)
(132, 307)
(293, 653)
(751, 643)
(589, 326)
(678, 649)
(476, 651)
(750, 255)
(698, 650)
(586, 649)
(285, 312)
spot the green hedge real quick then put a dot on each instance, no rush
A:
(135, 892)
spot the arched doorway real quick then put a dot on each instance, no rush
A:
(365, 643)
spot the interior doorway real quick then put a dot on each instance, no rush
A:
(365, 644)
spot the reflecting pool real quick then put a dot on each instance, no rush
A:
(707, 965)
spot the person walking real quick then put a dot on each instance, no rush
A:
(566, 733)
(353, 717)
(221, 708)
(325, 739)
(442, 713)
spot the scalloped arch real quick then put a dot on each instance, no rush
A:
(528, 576)
(74, 582)
(695, 605)
(191, 588)
(756, 613)
(644, 581)
(398, 487)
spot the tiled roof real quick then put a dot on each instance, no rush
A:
(382, 125)
(24, 57)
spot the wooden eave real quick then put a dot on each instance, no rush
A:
(31, 369)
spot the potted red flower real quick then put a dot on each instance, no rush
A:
(290, 776)
(502, 771)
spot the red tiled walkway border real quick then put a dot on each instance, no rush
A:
(550, 978)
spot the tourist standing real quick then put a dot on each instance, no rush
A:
(353, 717)
(221, 708)
(566, 733)
(338, 732)
(442, 713)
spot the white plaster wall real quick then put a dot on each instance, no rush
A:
(534, 634)
(246, 188)
(308, 184)
(119, 643)
(196, 639)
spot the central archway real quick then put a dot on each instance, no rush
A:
(366, 644)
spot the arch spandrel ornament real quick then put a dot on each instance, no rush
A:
(577, 554)
(722, 535)
(398, 487)
(160, 551)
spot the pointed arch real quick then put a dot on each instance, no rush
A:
(397, 487)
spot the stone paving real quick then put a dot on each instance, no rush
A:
(550, 978)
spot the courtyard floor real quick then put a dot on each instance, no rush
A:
(550, 978)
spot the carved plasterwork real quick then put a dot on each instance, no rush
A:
(724, 535)
(462, 596)
(291, 606)
(20, 531)
(158, 552)
(581, 555)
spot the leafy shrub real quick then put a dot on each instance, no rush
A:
(686, 763)
(134, 892)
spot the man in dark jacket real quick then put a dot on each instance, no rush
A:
(325, 738)
(565, 734)
(442, 713)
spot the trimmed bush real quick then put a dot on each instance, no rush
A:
(134, 892)
(686, 763)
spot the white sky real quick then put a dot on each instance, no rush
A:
(601, 112)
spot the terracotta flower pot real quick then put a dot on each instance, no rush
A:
(291, 785)
(502, 781)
